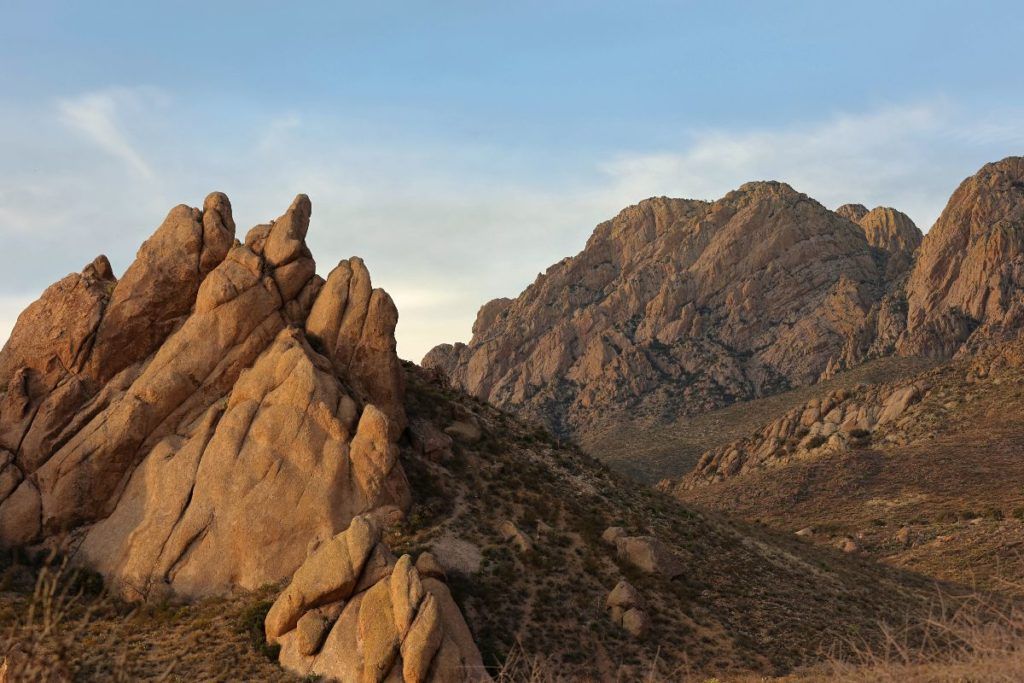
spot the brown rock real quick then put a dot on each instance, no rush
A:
(649, 554)
(624, 596)
(716, 317)
(969, 276)
(894, 236)
(391, 625)
(612, 535)
(511, 533)
(853, 212)
(636, 622)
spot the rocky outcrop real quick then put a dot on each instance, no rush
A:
(968, 281)
(353, 612)
(895, 238)
(626, 609)
(839, 420)
(201, 423)
(853, 212)
(679, 306)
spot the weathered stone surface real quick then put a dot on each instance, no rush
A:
(853, 212)
(355, 324)
(894, 236)
(968, 280)
(679, 305)
(393, 624)
(649, 554)
(177, 425)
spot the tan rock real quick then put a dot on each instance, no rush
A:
(513, 534)
(968, 279)
(612, 534)
(636, 622)
(649, 554)
(624, 596)
(392, 625)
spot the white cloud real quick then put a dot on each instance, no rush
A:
(98, 115)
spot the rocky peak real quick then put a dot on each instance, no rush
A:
(217, 401)
(968, 280)
(852, 212)
(677, 305)
(895, 237)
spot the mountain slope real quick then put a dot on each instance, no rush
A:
(680, 306)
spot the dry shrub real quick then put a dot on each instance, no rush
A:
(37, 646)
(978, 639)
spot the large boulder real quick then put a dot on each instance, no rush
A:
(352, 612)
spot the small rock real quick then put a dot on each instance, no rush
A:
(427, 565)
(848, 545)
(903, 536)
(510, 532)
(805, 532)
(635, 622)
(612, 534)
(624, 595)
(467, 431)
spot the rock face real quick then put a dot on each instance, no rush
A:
(894, 236)
(203, 422)
(681, 306)
(968, 280)
(352, 612)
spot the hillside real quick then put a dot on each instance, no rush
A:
(937, 489)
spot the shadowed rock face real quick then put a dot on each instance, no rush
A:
(206, 420)
(969, 276)
(681, 306)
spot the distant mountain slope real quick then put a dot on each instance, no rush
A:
(926, 472)
(681, 306)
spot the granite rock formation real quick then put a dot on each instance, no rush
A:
(683, 306)
(205, 421)
(968, 281)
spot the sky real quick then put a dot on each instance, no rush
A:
(461, 147)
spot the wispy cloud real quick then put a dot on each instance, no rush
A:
(909, 156)
(98, 115)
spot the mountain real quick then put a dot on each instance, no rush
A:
(923, 467)
(680, 306)
(968, 282)
(221, 434)
(676, 308)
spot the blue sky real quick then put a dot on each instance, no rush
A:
(462, 147)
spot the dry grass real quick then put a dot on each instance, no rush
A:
(980, 640)
(57, 624)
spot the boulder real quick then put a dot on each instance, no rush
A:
(649, 554)
(612, 535)
(387, 621)
(513, 534)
